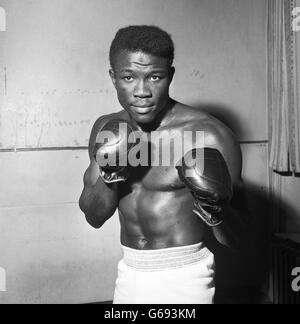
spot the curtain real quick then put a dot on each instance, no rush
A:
(284, 86)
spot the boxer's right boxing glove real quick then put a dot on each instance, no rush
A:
(111, 150)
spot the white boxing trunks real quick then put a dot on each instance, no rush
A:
(181, 275)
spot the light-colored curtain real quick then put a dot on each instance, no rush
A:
(284, 86)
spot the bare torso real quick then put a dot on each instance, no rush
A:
(155, 208)
(156, 211)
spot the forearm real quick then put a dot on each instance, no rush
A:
(99, 202)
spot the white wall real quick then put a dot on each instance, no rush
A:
(53, 85)
(54, 63)
(48, 250)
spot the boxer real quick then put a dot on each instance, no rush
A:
(165, 212)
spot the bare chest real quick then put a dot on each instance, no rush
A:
(157, 178)
(161, 153)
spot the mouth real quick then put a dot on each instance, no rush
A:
(142, 110)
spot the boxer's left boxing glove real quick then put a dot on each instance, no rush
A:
(111, 150)
(209, 180)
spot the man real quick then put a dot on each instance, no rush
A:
(164, 214)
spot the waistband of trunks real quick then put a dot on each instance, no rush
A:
(162, 259)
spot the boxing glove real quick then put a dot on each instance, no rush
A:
(111, 150)
(205, 173)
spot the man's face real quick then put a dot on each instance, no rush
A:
(142, 82)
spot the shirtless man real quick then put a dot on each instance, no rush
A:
(162, 233)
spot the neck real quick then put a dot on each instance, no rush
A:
(160, 119)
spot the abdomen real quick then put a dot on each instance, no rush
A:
(162, 219)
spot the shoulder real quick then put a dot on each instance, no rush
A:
(221, 137)
(216, 135)
(199, 120)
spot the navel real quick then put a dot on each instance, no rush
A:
(143, 242)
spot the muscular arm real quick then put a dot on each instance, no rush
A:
(98, 200)
(234, 232)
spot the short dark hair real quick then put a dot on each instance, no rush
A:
(148, 39)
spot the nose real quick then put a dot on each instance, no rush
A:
(141, 90)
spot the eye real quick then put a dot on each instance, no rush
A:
(128, 78)
(155, 78)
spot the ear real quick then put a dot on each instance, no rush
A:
(112, 76)
(172, 73)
